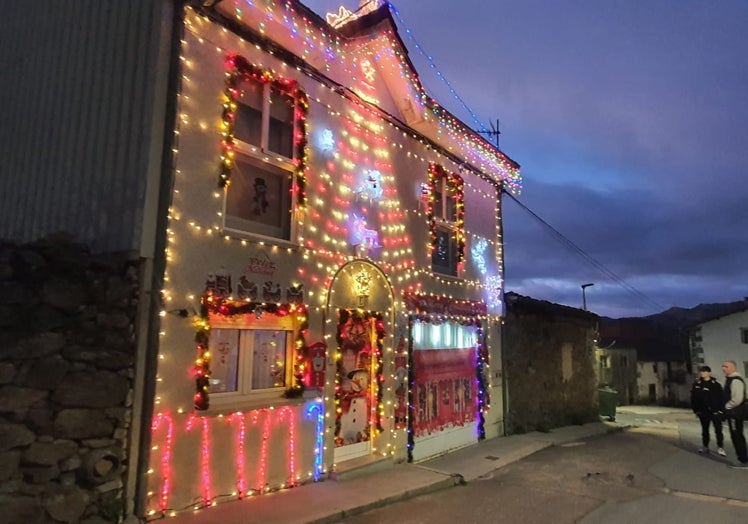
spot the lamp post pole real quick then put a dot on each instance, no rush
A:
(584, 295)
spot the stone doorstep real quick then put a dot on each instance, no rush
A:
(360, 466)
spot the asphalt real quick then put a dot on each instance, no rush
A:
(333, 499)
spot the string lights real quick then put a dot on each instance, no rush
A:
(357, 171)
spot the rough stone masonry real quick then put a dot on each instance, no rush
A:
(67, 356)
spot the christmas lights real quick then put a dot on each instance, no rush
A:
(166, 452)
(362, 162)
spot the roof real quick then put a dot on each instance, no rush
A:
(522, 305)
(721, 315)
(653, 342)
(332, 53)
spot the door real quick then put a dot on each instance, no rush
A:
(356, 387)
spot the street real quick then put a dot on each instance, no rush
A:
(649, 472)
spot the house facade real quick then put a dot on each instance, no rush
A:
(719, 339)
(320, 249)
(334, 264)
(666, 383)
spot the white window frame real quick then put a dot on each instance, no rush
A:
(259, 153)
(247, 325)
(445, 223)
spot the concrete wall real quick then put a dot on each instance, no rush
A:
(538, 338)
(664, 383)
(720, 341)
(66, 371)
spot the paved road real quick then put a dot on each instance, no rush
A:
(645, 474)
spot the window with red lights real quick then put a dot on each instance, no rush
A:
(250, 358)
(446, 220)
(260, 197)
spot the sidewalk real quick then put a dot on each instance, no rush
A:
(331, 500)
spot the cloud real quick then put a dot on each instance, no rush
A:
(629, 121)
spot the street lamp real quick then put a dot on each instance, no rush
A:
(584, 296)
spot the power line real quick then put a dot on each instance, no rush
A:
(432, 65)
(589, 259)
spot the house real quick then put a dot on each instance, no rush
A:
(617, 369)
(662, 369)
(548, 365)
(316, 244)
(720, 338)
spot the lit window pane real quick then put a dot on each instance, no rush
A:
(224, 347)
(269, 359)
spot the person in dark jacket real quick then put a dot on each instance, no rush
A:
(707, 401)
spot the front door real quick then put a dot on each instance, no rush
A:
(356, 386)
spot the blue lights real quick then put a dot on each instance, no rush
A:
(316, 409)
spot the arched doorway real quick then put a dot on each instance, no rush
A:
(360, 307)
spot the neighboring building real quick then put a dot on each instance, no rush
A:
(318, 243)
(617, 369)
(548, 365)
(660, 373)
(721, 338)
(666, 383)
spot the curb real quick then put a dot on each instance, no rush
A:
(708, 498)
(448, 482)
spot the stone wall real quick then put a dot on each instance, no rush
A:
(539, 397)
(67, 355)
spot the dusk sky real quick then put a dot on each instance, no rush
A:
(630, 121)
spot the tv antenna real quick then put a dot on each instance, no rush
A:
(493, 132)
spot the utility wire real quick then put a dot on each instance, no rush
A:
(432, 65)
(590, 260)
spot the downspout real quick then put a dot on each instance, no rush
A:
(170, 17)
(502, 339)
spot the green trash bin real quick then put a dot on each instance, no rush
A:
(607, 402)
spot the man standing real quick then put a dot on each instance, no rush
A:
(707, 401)
(734, 396)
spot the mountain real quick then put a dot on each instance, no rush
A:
(662, 336)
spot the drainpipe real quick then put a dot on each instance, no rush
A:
(170, 15)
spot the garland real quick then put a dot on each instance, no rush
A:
(241, 70)
(226, 307)
(411, 387)
(481, 363)
(456, 188)
(343, 316)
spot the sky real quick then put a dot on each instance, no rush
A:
(629, 119)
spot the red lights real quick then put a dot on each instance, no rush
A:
(266, 419)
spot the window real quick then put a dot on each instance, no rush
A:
(567, 361)
(260, 197)
(446, 218)
(744, 335)
(444, 254)
(251, 357)
(265, 118)
(445, 200)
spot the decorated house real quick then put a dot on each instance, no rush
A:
(334, 260)
(332, 263)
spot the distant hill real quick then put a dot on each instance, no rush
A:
(688, 317)
(662, 336)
